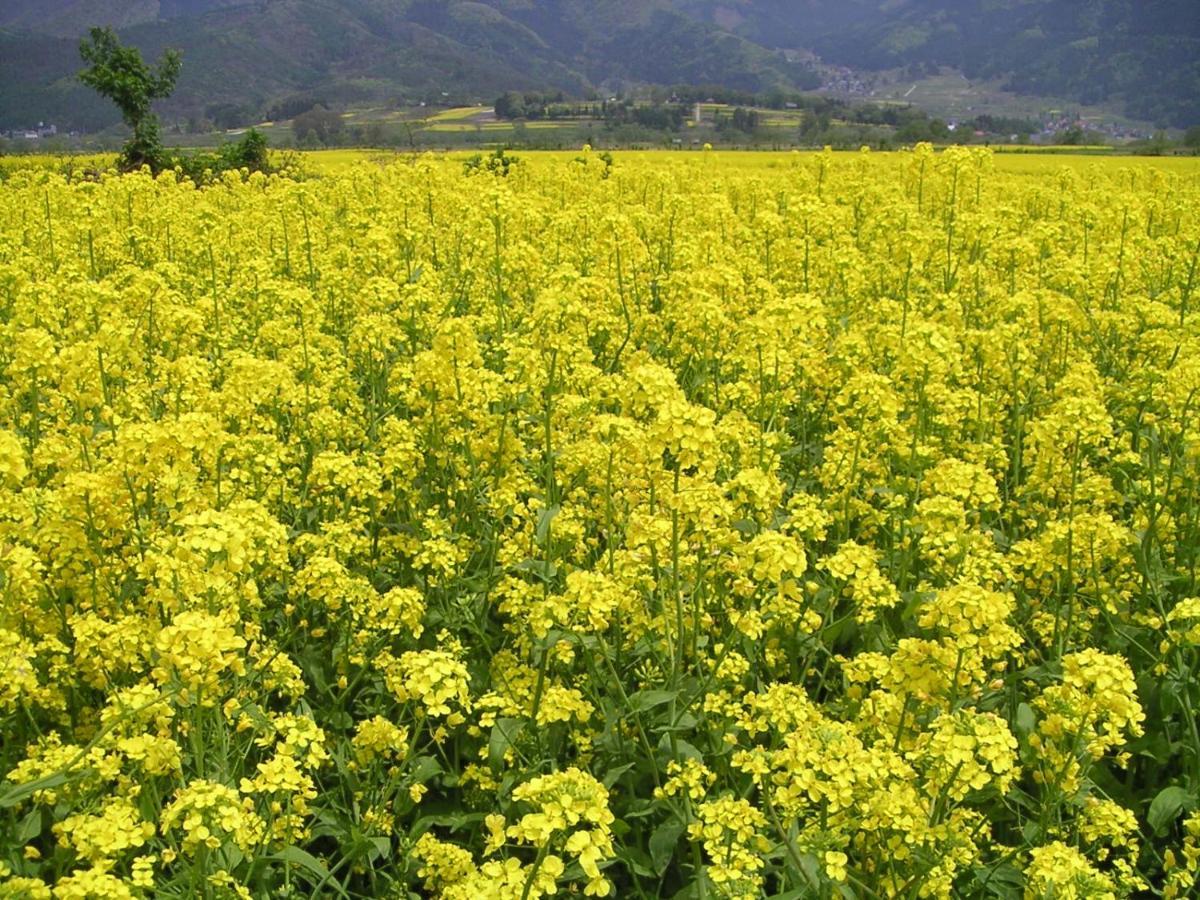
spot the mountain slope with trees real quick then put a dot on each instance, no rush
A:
(245, 56)
(251, 55)
(1144, 54)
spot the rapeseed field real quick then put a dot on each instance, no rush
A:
(646, 525)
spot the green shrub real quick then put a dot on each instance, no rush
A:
(248, 153)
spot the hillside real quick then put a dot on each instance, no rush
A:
(1140, 55)
(350, 51)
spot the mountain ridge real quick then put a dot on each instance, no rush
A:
(1144, 54)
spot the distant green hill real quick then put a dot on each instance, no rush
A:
(1141, 54)
(251, 54)
(1144, 54)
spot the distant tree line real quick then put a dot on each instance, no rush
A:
(741, 119)
(319, 123)
(990, 124)
(538, 105)
(661, 117)
(290, 107)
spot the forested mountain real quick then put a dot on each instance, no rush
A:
(256, 53)
(1144, 54)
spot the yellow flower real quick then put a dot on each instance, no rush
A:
(1061, 871)
(106, 836)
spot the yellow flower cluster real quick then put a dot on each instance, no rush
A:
(570, 811)
(207, 814)
(1057, 870)
(432, 678)
(729, 828)
(1088, 714)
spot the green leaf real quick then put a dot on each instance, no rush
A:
(30, 827)
(18, 792)
(636, 861)
(454, 821)
(381, 847)
(1026, 721)
(1166, 807)
(678, 749)
(1032, 832)
(1001, 880)
(504, 733)
(662, 845)
(424, 768)
(539, 568)
(814, 872)
(303, 859)
(644, 700)
(685, 722)
(614, 774)
(233, 857)
(297, 857)
(544, 522)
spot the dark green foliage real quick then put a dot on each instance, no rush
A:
(1072, 137)
(604, 159)
(249, 153)
(1004, 125)
(290, 107)
(515, 105)
(120, 74)
(319, 124)
(660, 117)
(744, 119)
(497, 163)
(663, 111)
(229, 115)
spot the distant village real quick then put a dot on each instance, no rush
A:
(41, 130)
(847, 83)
